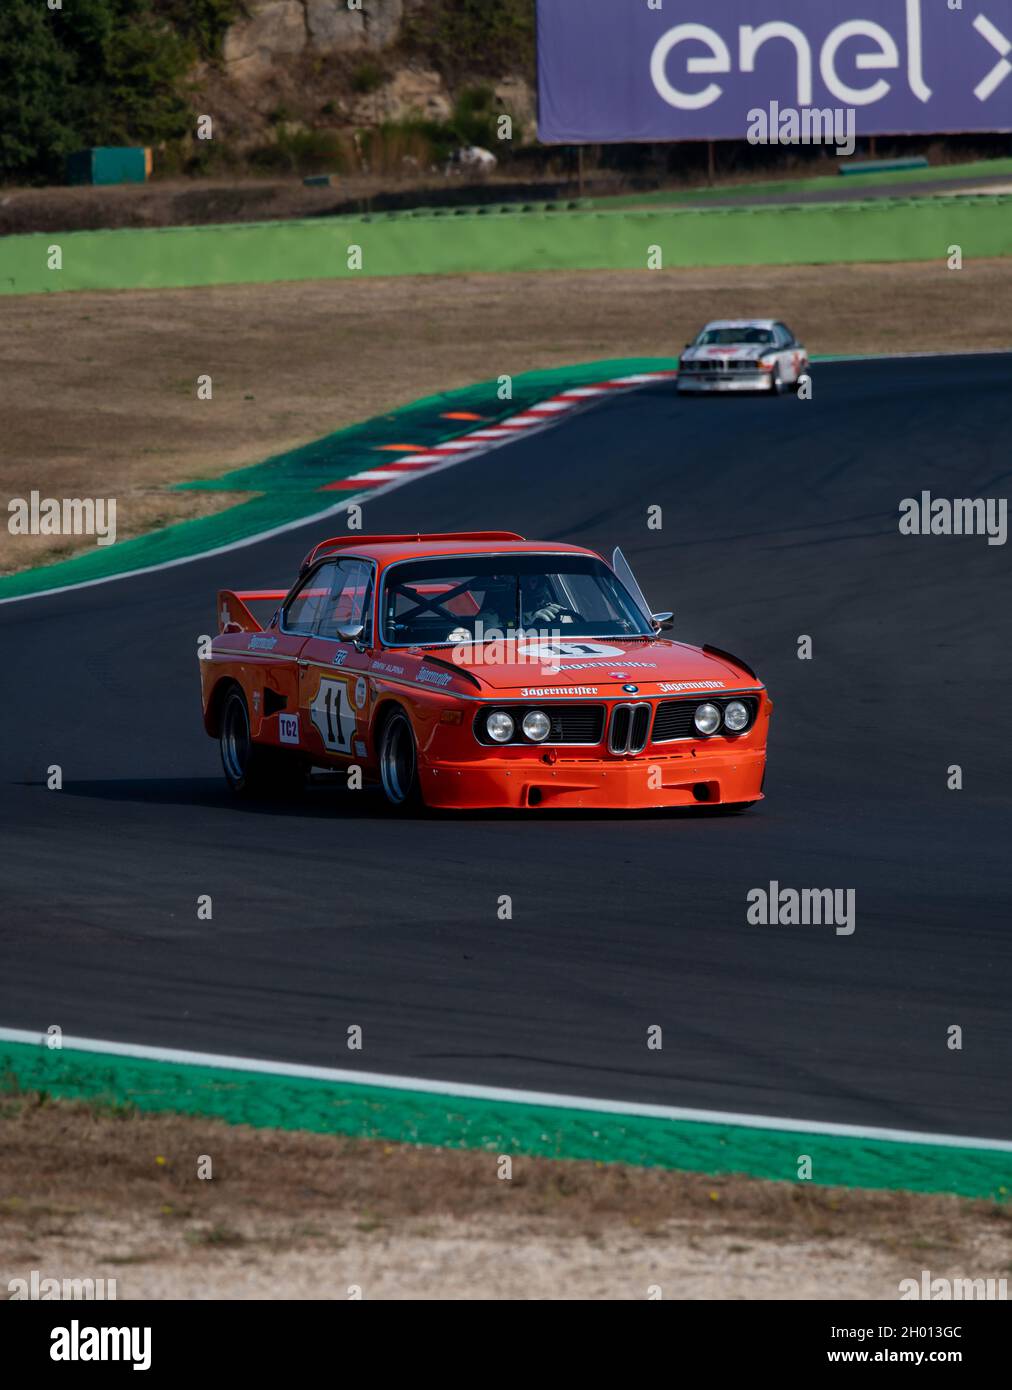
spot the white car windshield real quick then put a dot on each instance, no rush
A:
(729, 337)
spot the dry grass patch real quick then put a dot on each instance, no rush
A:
(101, 388)
(82, 1190)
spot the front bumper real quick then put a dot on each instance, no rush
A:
(725, 381)
(649, 779)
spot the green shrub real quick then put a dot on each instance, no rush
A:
(203, 22)
(397, 146)
(100, 72)
(474, 37)
(475, 116)
(367, 77)
(304, 152)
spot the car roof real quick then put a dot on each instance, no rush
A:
(741, 323)
(387, 549)
(387, 552)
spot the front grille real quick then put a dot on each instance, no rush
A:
(576, 723)
(570, 724)
(732, 366)
(674, 717)
(630, 726)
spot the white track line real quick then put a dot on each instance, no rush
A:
(458, 453)
(397, 478)
(509, 432)
(590, 1104)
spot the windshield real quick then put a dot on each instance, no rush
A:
(446, 601)
(727, 337)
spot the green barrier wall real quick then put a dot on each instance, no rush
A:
(444, 243)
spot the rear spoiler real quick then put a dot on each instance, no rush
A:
(234, 616)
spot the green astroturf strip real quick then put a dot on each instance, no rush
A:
(499, 1126)
(287, 486)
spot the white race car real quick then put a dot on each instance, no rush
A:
(743, 355)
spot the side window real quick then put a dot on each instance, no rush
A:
(349, 600)
(304, 608)
(786, 336)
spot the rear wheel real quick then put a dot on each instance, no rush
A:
(398, 763)
(250, 768)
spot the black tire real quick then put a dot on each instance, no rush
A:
(778, 386)
(252, 770)
(397, 755)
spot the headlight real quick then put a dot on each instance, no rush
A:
(537, 725)
(499, 726)
(707, 719)
(767, 365)
(736, 716)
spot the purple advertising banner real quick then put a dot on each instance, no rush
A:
(707, 69)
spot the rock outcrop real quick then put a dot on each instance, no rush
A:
(275, 29)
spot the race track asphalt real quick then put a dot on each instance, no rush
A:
(779, 519)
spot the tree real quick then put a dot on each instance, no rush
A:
(100, 72)
(36, 74)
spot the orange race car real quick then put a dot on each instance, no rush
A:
(479, 669)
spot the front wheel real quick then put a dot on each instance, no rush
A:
(398, 763)
(250, 768)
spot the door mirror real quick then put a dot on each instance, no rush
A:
(352, 632)
(662, 621)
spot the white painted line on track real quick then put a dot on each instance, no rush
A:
(508, 433)
(438, 462)
(176, 1057)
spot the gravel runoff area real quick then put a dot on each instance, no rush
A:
(101, 388)
(88, 1191)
